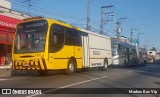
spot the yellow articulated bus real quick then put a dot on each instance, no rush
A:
(45, 44)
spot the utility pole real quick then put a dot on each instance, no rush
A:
(138, 37)
(119, 28)
(102, 19)
(131, 34)
(29, 5)
(137, 46)
(88, 16)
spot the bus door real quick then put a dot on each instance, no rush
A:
(85, 45)
(56, 44)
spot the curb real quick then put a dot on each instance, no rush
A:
(5, 67)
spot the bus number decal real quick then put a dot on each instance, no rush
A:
(96, 64)
(96, 52)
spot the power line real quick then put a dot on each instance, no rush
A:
(77, 22)
(144, 17)
(54, 12)
(92, 1)
(46, 6)
(29, 5)
(50, 12)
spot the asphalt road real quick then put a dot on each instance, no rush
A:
(92, 83)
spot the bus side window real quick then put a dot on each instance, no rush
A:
(73, 37)
(56, 38)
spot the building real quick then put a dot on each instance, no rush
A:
(151, 56)
(8, 21)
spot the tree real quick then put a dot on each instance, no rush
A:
(153, 49)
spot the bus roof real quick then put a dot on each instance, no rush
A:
(94, 33)
(63, 23)
(124, 44)
(83, 30)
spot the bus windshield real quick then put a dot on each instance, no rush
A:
(30, 37)
(114, 49)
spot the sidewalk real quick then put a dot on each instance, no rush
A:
(5, 66)
(5, 71)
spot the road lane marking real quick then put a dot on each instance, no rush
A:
(141, 71)
(152, 65)
(129, 71)
(69, 86)
(146, 72)
(82, 82)
(5, 79)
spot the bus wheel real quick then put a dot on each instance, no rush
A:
(105, 65)
(42, 72)
(70, 67)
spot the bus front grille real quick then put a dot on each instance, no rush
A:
(30, 64)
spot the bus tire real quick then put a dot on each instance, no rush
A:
(71, 67)
(105, 65)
